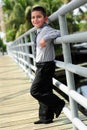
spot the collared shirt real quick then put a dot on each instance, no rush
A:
(46, 53)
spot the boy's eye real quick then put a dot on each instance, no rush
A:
(33, 17)
(39, 16)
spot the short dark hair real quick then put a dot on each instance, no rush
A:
(39, 8)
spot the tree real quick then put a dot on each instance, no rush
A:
(17, 16)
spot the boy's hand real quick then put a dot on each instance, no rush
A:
(42, 43)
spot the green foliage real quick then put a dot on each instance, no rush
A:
(10, 35)
(22, 29)
(83, 26)
(28, 13)
(72, 26)
(17, 16)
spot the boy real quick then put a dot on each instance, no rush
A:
(41, 89)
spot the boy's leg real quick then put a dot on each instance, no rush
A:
(42, 86)
(45, 113)
(42, 89)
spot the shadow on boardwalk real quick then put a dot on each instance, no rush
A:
(18, 110)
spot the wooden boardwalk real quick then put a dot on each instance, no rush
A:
(18, 110)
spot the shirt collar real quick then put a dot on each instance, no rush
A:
(39, 29)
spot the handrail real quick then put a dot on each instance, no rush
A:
(72, 38)
(66, 8)
(22, 51)
(77, 69)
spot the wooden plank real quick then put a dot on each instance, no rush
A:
(18, 109)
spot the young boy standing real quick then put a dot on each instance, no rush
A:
(41, 89)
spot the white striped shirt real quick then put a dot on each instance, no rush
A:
(46, 53)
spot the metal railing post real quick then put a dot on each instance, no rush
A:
(67, 59)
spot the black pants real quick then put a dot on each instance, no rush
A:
(41, 90)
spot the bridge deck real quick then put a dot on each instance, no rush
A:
(18, 110)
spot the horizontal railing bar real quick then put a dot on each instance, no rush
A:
(77, 122)
(26, 63)
(60, 86)
(82, 71)
(71, 6)
(27, 72)
(23, 44)
(26, 33)
(24, 54)
(72, 38)
(67, 8)
(79, 98)
(67, 113)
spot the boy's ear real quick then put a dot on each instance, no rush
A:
(46, 18)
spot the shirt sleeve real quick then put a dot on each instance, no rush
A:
(51, 33)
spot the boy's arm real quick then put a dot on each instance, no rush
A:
(51, 34)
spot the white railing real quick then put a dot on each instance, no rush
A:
(22, 51)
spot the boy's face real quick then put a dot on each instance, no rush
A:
(38, 19)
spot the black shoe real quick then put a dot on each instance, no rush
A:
(59, 109)
(43, 122)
